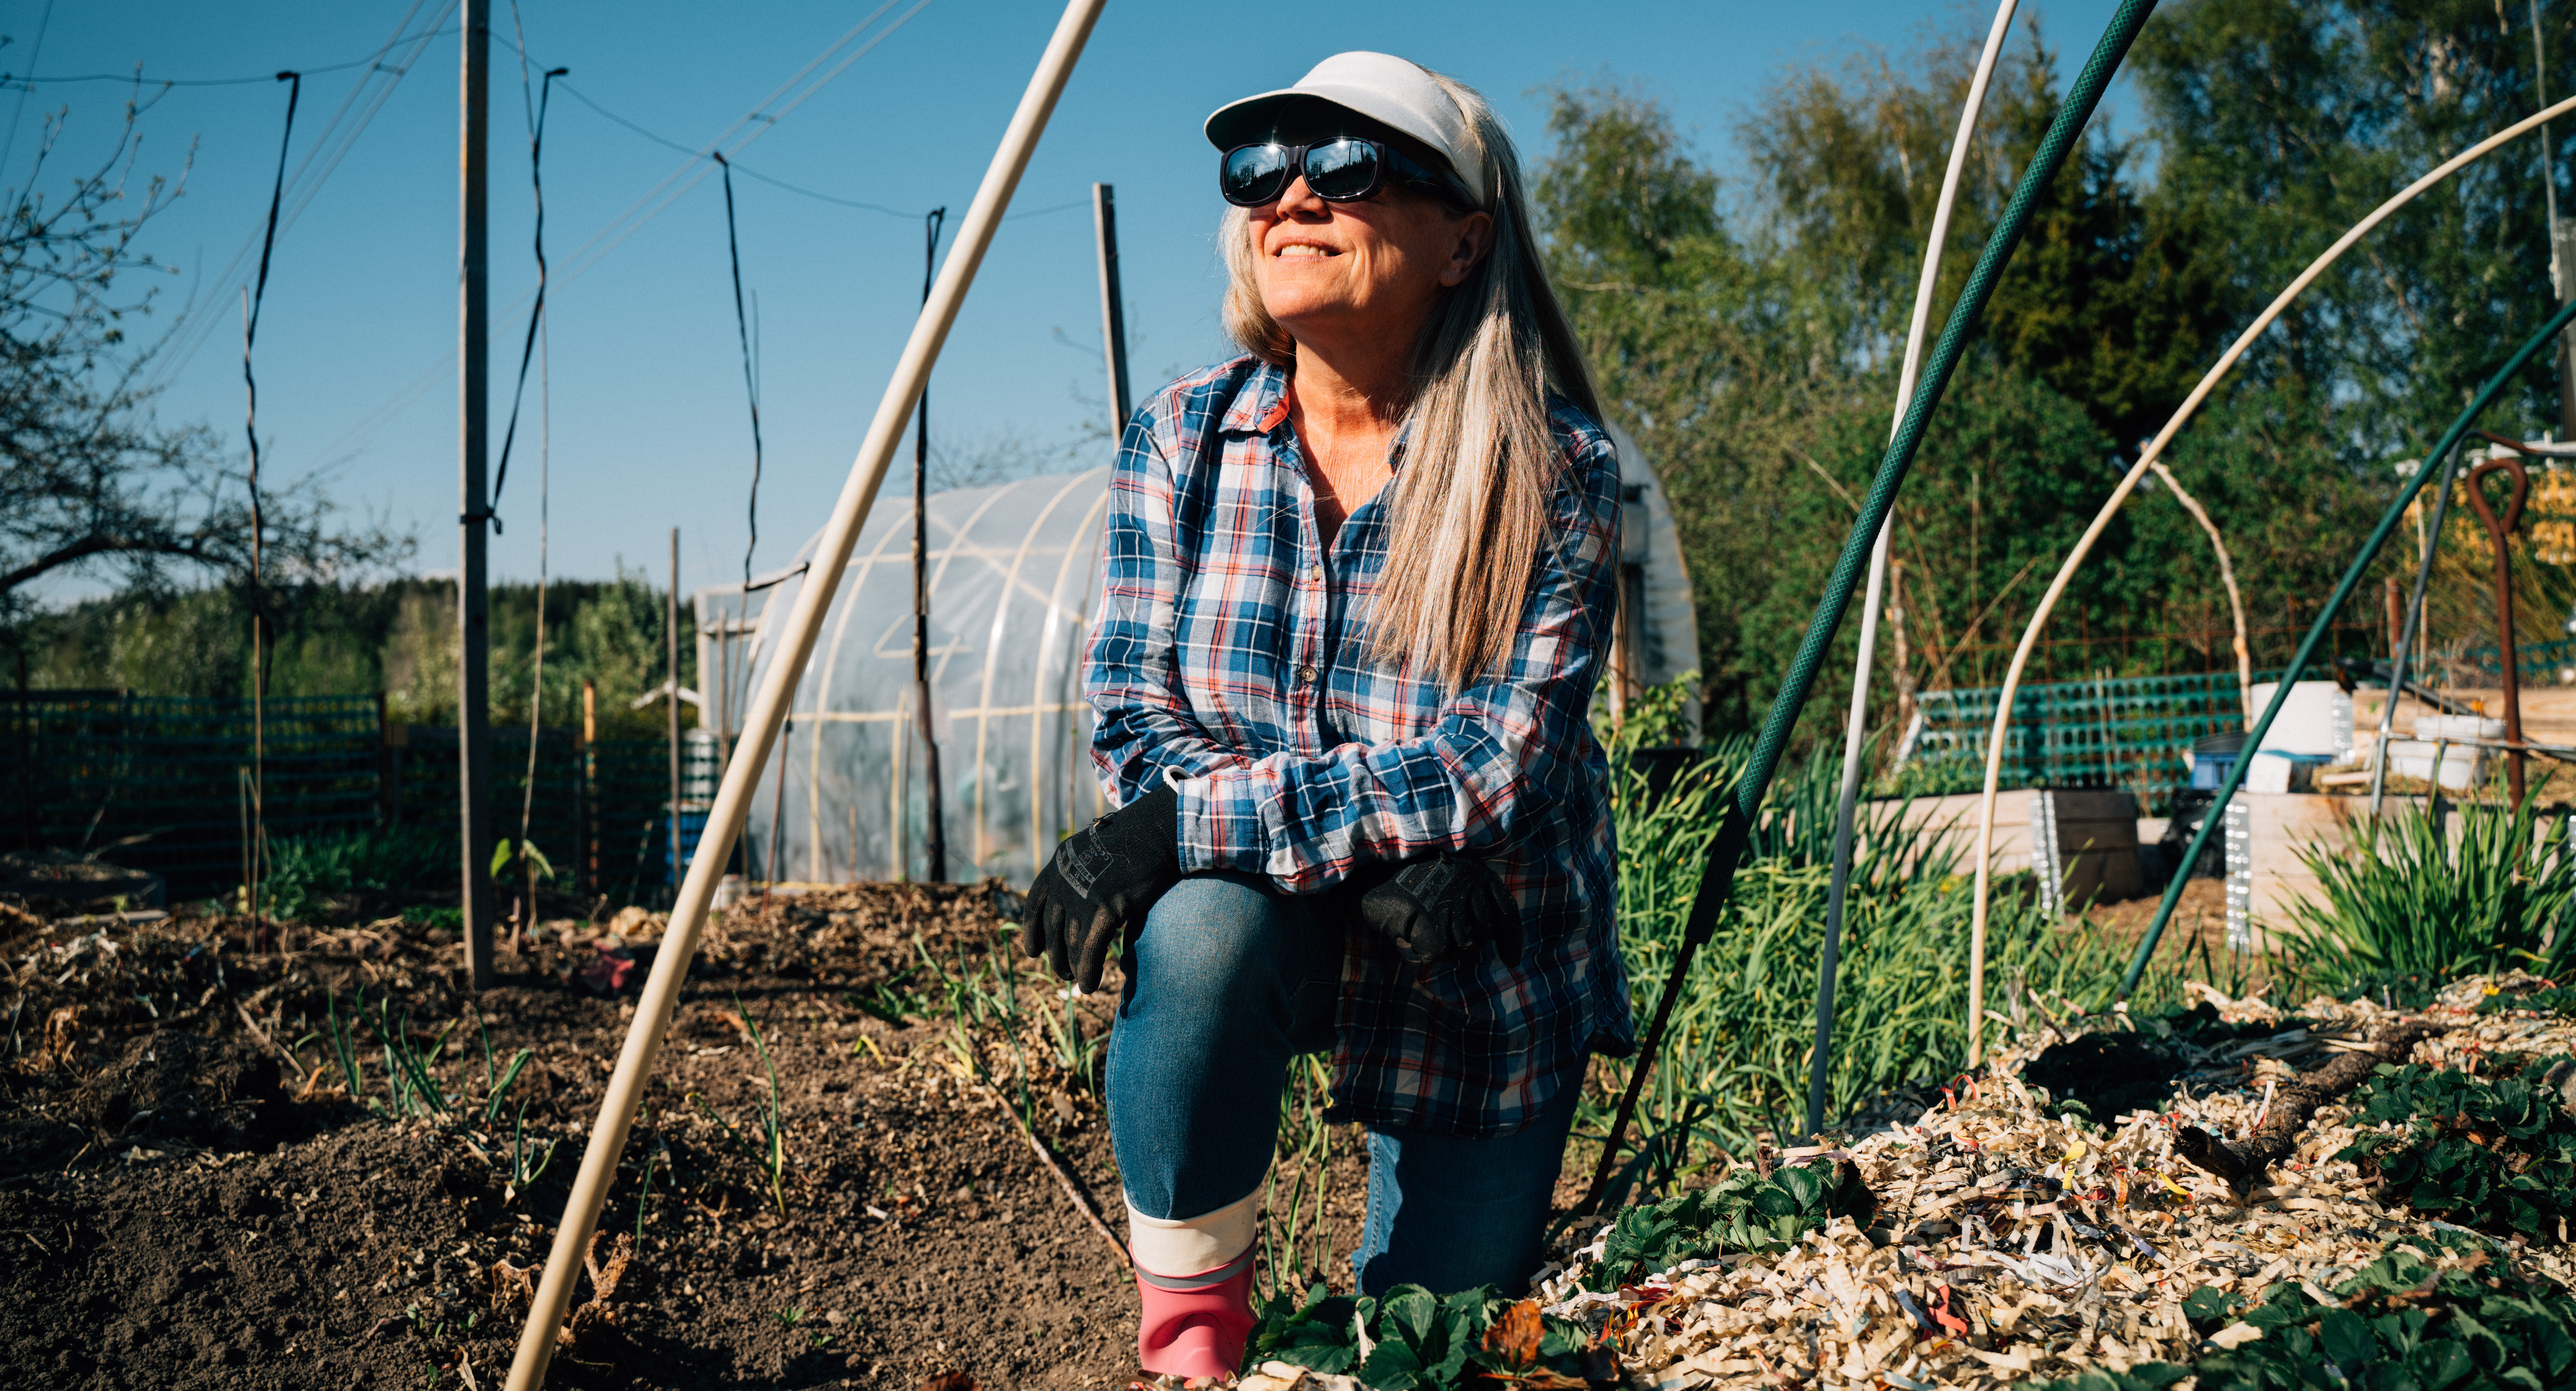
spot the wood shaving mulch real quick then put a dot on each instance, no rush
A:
(2012, 1245)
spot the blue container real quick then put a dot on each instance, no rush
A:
(2213, 757)
(693, 823)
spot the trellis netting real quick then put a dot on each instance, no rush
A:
(1014, 575)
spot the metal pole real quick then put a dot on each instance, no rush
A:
(2500, 535)
(2431, 547)
(936, 842)
(586, 866)
(1113, 305)
(2560, 252)
(473, 615)
(26, 757)
(796, 636)
(671, 658)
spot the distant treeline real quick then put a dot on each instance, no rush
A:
(398, 637)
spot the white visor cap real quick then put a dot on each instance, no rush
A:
(1380, 86)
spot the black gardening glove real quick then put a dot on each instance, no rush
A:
(1103, 878)
(1444, 907)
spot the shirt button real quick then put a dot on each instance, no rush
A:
(1315, 573)
(1305, 676)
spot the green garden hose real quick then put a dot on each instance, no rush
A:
(1726, 850)
(2317, 631)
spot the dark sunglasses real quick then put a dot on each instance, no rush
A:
(1344, 169)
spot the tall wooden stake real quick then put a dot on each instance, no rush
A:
(473, 617)
(796, 636)
(1113, 306)
(586, 849)
(936, 841)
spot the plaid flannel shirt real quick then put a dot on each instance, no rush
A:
(1227, 659)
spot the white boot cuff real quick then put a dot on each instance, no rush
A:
(1189, 1245)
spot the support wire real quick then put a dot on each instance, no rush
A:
(935, 837)
(252, 300)
(540, 339)
(750, 377)
(537, 313)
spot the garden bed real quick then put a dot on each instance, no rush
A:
(2412, 1232)
(193, 1194)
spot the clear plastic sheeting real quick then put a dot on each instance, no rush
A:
(1663, 622)
(1014, 575)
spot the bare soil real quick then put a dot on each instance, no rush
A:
(190, 1195)
(2199, 921)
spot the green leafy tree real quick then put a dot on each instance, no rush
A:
(2284, 123)
(1747, 333)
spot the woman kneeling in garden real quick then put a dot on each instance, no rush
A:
(1360, 585)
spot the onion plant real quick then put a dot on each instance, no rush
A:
(1736, 1057)
(2413, 896)
(1296, 1248)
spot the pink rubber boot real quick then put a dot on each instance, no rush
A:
(1194, 1325)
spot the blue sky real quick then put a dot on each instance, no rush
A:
(357, 341)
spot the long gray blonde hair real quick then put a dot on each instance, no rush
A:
(1470, 503)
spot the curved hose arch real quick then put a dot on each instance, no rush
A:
(2370, 549)
(2119, 495)
(1734, 836)
(1847, 800)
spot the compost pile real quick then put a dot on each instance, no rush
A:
(2351, 1196)
(311, 1157)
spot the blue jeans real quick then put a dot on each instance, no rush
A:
(1226, 982)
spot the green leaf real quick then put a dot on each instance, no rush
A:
(2440, 1365)
(1392, 1367)
(2209, 1309)
(1407, 1311)
(2347, 1339)
(1331, 1356)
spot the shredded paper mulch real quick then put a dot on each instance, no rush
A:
(2005, 1237)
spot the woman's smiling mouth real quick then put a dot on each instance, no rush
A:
(1301, 250)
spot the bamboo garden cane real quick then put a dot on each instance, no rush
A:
(724, 822)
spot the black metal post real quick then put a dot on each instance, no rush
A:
(935, 843)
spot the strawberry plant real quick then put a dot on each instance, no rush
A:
(1742, 1212)
(2408, 1321)
(1414, 1340)
(2556, 999)
(2491, 1153)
